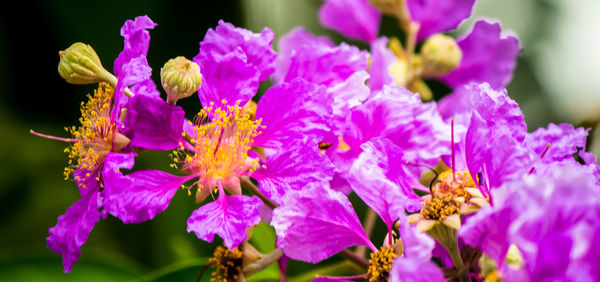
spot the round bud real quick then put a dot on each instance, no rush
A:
(440, 55)
(79, 64)
(180, 78)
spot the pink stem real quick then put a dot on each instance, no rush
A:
(53, 137)
(452, 141)
(541, 156)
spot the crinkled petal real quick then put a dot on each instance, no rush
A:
(378, 177)
(349, 93)
(414, 269)
(487, 56)
(381, 60)
(154, 124)
(288, 46)
(400, 116)
(316, 223)
(293, 167)
(137, 40)
(417, 245)
(319, 62)
(307, 110)
(355, 19)
(437, 16)
(138, 196)
(256, 47)
(73, 228)
(228, 217)
(227, 77)
(564, 140)
(131, 66)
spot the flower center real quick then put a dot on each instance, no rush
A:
(227, 263)
(380, 264)
(439, 206)
(220, 147)
(454, 184)
(95, 135)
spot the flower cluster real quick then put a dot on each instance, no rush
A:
(464, 190)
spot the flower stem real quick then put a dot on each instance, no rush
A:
(247, 184)
(447, 237)
(360, 261)
(371, 216)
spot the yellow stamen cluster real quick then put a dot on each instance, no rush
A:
(439, 206)
(380, 264)
(227, 263)
(220, 147)
(95, 135)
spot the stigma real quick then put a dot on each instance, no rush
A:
(94, 137)
(219, 150)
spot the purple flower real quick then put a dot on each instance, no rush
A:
(541, 227)
(487, 56)
(227, 141)
(355, 19)
(98, 141)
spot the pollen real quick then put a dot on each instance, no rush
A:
(94, 135)
(380, 264)
(447, 183)
(220, 149)
(227, 263)
(439, 206)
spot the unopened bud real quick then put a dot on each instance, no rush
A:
(79, 64)
(180, 78)
(440, 55)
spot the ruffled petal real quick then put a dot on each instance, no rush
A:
(437, 16)
(316, 223)
(487, 56)
(417, 245)
(293, 167)
(154, 124)
(138, 196)
(131, 66)
(288, 46)
(317, 61)
(414, 269)
(256, 47)
(564, 140)
(307, 110)
(400, 116)
(355, 19)
(379, 179)
(73, 228)
(381, 60)
(227, 77)
(228, 217)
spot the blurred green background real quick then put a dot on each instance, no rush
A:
(556, 81)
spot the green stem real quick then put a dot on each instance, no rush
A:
(447, 237)
(248, 185)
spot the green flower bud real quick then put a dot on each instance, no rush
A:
(180, 78)
(79, 64)
(440, 55)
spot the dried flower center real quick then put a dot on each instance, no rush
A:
(454, 184)
(380, 264)
(439, 206)
(220, 147)
(227, 263)
(95, 135)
